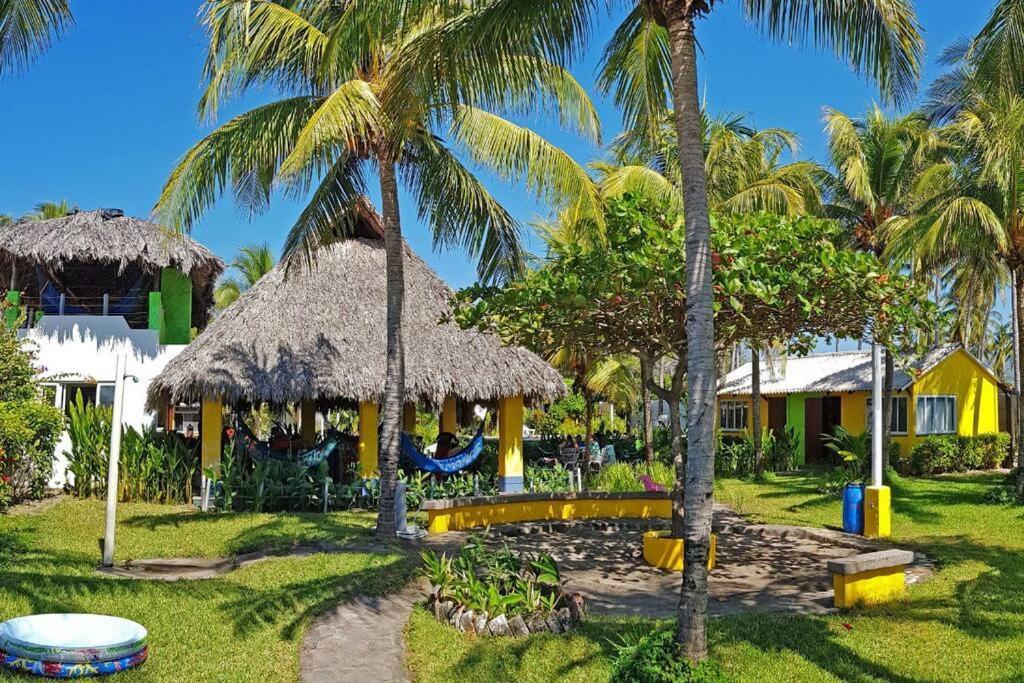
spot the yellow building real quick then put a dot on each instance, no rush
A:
(947, 391)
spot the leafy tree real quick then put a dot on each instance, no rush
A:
(27, 28)
(357, 100)
(47, 210)
(251, 262)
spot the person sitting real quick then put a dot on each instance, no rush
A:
(279, 440)
(446, 443)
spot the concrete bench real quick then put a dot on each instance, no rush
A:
(870, 578)
(454, 514)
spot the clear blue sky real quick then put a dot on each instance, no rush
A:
(102, 117)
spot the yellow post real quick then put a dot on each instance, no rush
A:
(510, 444)
(878, 512)
(308, 416)
(368, 459)
(213, 424)
(409, 418)
(449, 416)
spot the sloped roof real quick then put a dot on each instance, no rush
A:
(831, 372)
(319, 332)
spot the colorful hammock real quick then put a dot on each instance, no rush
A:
(449, 465)
(260, 451)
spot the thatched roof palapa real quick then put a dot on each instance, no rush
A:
(318, 331)
(107, 236)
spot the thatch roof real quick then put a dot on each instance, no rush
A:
(318, 332)
(108, 236)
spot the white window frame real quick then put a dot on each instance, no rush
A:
(58, 399)
(181, 409)
(906, 415)
(732, 407)
(917, 414)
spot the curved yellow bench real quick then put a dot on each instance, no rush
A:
(667, 553)
(455, 514)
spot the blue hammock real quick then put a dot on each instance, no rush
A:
(449, 465)
(311, 457)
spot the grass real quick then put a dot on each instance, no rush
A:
(244, 626)
(966, 623)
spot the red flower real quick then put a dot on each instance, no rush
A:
(847, 626)
(51, 668)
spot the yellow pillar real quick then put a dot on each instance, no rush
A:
(308, 417)
(449, 416)
(510, 444)
(212, 426)
(409, 418)
(878, 512)
(368, 459)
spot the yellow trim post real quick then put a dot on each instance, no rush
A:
(510, 444)
(409, 418)
(308, 417)
(665, 552)
(449, 416)
(868, 588)
(878, 512)
(368, 458)
(212, 426)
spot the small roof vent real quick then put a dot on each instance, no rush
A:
(107, 214)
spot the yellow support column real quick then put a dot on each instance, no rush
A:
(409, 418)
(308, 417)
(510, 445)
(878, 512)
(449, 416)
(368, 459)
(212, 426)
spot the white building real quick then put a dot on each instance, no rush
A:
(94, 285)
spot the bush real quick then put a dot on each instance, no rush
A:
(653, 658)
(625, 477)
(951, 453)
(734, 455)
(495, 582)
(28, 435)
(6, 495)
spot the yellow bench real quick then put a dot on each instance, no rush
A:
(455, 514)
(870, 578)
(667, 553)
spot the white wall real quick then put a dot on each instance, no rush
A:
(79, 348)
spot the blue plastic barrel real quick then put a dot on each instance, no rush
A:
(853, 509)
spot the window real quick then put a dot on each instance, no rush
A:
(732, 416)
(936, 414)
(898, 423)
(106, 395)
(91, 394)
(48, 393)
(186, 416)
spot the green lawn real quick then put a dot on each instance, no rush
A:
(966, 623)
(244, 626)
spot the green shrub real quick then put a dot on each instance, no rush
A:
(495, 581)
(654, 658)
(625, 477)
(6, 494)
(543, 479)
(28, 435)
(952, 453)
(734, 455)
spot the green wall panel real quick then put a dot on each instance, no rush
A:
(176, 297)
(795, 420)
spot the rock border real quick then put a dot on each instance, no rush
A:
(482, 625)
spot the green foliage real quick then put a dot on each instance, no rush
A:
(952, 453)
(154, 467)
(734, 455)
(654, 657)
(564, 417)
(624, 477)
(544, 479)
(853, 451)
(495, 581)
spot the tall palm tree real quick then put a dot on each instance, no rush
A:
(879, 38)
(27, 28)
(46, 210)
(250, 263)
(354, 102)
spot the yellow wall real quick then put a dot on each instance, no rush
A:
(475, 516)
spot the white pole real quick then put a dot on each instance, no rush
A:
(876, 413)
(115, 457)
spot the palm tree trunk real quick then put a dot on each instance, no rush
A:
(394, 383)
(1018, 339)
(887, 389)
(755, 407)
(645, 399)
(679, 466)
(700, 334)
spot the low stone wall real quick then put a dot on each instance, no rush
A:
(471, 623)
(454, 514)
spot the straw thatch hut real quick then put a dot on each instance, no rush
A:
(315, 334)
(91, 259)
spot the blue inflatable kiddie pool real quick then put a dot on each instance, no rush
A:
(72, 645)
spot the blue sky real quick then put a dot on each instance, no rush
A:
(102, 117)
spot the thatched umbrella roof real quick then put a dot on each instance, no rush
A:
(318, 332)
(108, 236)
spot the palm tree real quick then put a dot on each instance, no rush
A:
(251, 262)
(357, 101)
(47, 210)
(999, 346)
(879, 38)
(27, 28)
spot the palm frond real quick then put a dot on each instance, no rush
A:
(27, 29)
